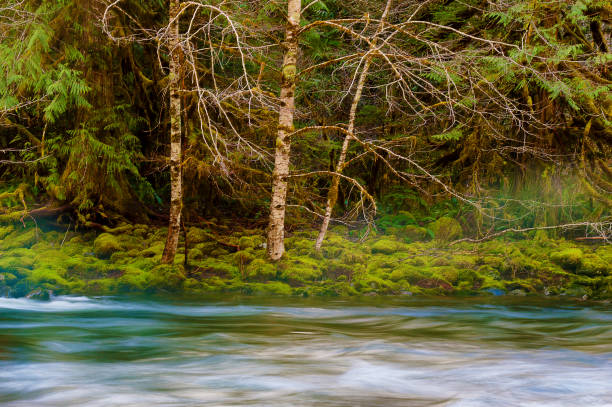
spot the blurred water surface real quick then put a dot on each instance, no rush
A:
(77, 351)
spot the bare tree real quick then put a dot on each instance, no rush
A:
(176, 180)
(195, 36)
(276, 227)
(332, 195)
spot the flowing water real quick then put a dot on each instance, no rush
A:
(76, 351)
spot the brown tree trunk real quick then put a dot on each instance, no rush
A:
(276, 227)
(176, 182)
(332, 194)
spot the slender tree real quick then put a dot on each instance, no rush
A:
(276, 227)
(176, 179)
(332, 195)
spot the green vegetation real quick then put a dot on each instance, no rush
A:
(421, 128)
(129, 262)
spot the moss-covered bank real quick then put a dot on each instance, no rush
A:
(127, 259)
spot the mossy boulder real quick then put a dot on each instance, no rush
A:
(211, 267)
(271, 288)
(593, 265)
(196, 235)
(5, 231)
(156, 249)
(166, 277)
(19, 238)
(299, 274)
(260, 270)
(386, 246)
(446, 229)
(249, 242)
(569, 259)
(106, 244)
(413, 233)
(408, 273)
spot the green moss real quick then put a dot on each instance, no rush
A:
(298, 273)
(211, 267)
(105, 245)
(48, 274)
(8, 278)
(413, 233)
(197, 235)
(260, 270)
(247, 242)
(218, 252)
(385, 246)
(271, 288)
(156, 249)
(408, 273)
(569, 259)
(6, 230)
(166, 277)
(593, 265)
(20, 238)
(446, 229)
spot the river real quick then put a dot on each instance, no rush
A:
(78, 351)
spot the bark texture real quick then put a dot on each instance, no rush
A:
(276, 227)
(176, 182)
(332, 194)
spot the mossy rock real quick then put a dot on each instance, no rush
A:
(6, 230)
(271, 288)
(248, 242)
(196, 235)
(408, 273)
(569, 259)
(300, 245)
(154, 250)
(140, 231)
(13, 261)
(446, 229)
(592, 265)
(386, 246)
(195, 254)
(337, 268)
(243, 257)
(354, 257)
(413, 233)
(218, 252)
(211, 267)
(19, 238)
(166, 277)
(48, 274)
(373, 284)
(260, 270)
(298, 274)
(106, 244)
(297, 270)
(8, 278)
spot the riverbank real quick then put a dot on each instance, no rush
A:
(126, 259)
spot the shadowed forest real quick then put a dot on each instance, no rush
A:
(319, 147)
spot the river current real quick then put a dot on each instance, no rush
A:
(101, 352)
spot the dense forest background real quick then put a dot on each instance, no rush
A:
(384, 113)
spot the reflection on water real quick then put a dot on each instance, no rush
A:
(76, 351)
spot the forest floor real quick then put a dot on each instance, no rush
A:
(38, 263)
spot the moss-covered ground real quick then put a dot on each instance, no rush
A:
(407, 262)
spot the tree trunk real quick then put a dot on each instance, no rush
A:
(332, 194)
(176, 186)
(276, 227)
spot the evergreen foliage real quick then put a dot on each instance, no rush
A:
(507, 104)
